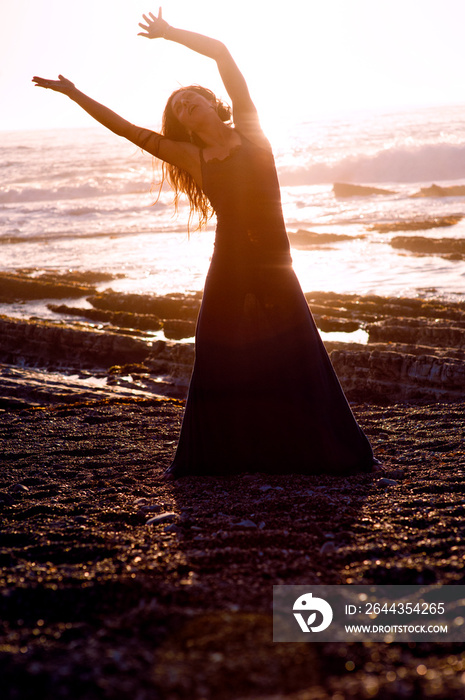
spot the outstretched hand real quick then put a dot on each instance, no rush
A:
(155, 27)
(61, 85)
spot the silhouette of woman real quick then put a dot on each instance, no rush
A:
(263, 395)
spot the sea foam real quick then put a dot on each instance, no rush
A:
(426, 163)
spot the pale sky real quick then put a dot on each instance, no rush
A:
(301, 58)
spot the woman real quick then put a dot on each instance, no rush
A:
(263, 394)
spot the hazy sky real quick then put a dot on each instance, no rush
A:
(301, 58)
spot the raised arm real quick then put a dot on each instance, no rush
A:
(244, 111)
(184, 155)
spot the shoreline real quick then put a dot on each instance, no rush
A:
(396, 349)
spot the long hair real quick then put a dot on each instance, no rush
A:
(180, 180)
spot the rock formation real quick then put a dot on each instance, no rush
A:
(344, 189)
(415, 348)
(450, 248)
(307, 239)
(417, 224)
(439, 191)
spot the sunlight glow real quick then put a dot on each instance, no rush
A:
(311, 58)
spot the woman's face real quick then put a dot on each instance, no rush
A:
(190, 108)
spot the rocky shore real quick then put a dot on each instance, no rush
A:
(414, 352)
(116, 584)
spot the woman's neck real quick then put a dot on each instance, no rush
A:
(217, 136)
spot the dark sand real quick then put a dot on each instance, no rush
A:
(99, 602)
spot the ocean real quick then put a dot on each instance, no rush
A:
(87, 200)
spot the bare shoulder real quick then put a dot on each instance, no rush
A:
(182, 154)
(248, 124)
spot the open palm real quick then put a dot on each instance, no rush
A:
(61, 85)
(155, 27)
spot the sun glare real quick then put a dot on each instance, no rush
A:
(304, 59)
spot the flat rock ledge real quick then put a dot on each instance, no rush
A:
(415, 348)
(390, 376)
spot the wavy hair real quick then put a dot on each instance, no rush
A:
(180, 180)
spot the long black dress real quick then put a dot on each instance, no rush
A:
(263, 395)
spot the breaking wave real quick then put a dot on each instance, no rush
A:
(401, 164)
(15, 194)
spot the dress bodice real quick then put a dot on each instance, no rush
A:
(243, 189)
